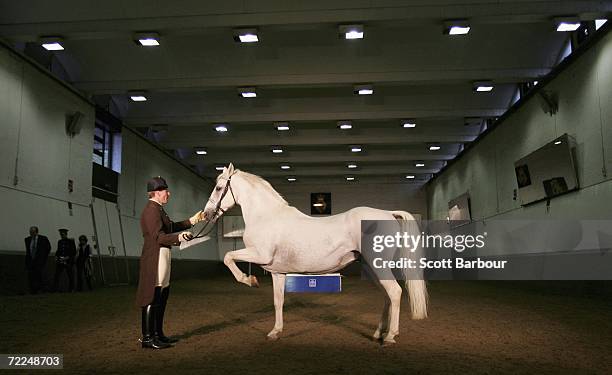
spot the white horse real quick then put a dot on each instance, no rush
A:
(282, 240)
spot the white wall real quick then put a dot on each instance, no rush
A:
(35, 149)
(585, 112)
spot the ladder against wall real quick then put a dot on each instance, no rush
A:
(109, 243)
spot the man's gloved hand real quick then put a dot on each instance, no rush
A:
(199, 216)
(185, 236)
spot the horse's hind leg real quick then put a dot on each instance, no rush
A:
(394, 292)
(383, 324)
(278, 282)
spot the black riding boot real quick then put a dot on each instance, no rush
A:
(160, 317)
(149, 339)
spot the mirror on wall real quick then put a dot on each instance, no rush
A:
(547, 172)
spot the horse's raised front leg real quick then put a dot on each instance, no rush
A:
(278, 282)
(248, 254)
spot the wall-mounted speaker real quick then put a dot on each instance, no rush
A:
(74, 123)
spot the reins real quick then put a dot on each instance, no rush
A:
(218, 208)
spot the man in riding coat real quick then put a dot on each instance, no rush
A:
(160, 234)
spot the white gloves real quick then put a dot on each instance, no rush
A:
(199, 216)
(185, 236)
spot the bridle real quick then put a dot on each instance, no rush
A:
(228, 187)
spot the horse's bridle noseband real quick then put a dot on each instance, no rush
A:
(228, 187)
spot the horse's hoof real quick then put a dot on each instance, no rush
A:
(254, 282)
(272, 337)
(388, 343)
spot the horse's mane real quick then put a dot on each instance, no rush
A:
(254, 179)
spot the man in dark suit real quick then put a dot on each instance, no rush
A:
(37, 252)
(160, 234)
(64, 260)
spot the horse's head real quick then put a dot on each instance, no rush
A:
(222, 197)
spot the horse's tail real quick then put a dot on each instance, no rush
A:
(417, 289)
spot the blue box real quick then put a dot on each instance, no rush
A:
(300, 283)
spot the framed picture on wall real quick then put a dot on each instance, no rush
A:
(320, 203)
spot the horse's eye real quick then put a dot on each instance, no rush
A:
(218, 188)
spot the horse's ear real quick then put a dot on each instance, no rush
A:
(230, 168)
(224, 171)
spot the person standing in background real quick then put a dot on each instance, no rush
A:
(64, 260)
(38, 248)
(83, 264)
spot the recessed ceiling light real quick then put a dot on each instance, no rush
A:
(147, 39)
(201, 151)
(355, 148)
(137, 96)
(285, 166)
(456, 27)
(351, 166)
(558, 142)
(351, 31)
(408, 124)
(345, 125)
(246, 35)
(247, 92)
(350, 178)
(419, 165)
(599, 23)
(277, 150)
(434, 148)
(483, 86)
(52, 43)
(282, 126)
(219, 167)
(221, 128)
(410, 176)
(291, 179)
(363, 89)
(565, 24)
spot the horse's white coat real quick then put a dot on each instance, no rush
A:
(281, 239)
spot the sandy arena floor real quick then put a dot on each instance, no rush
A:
(473, 327)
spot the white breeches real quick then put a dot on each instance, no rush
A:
(163, 267)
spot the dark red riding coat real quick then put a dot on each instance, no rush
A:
(158, 231)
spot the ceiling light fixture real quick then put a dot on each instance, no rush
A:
(410, 177)
(566, 24)
(52, 43)
(221, 128)
(246, 35)
(483, 86)
(149, 39)
(419, 164)
(350, 178)
(247, 92)
(201, 151)
(282, 126)
(137, 96)
(277, 150)
(408, 124)
(351, 31)
(434, 148)
(355, 148)
(351, 166)
(456, 27)
(363, 89)
(285, 166)
(345, 125)
(291, 179)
